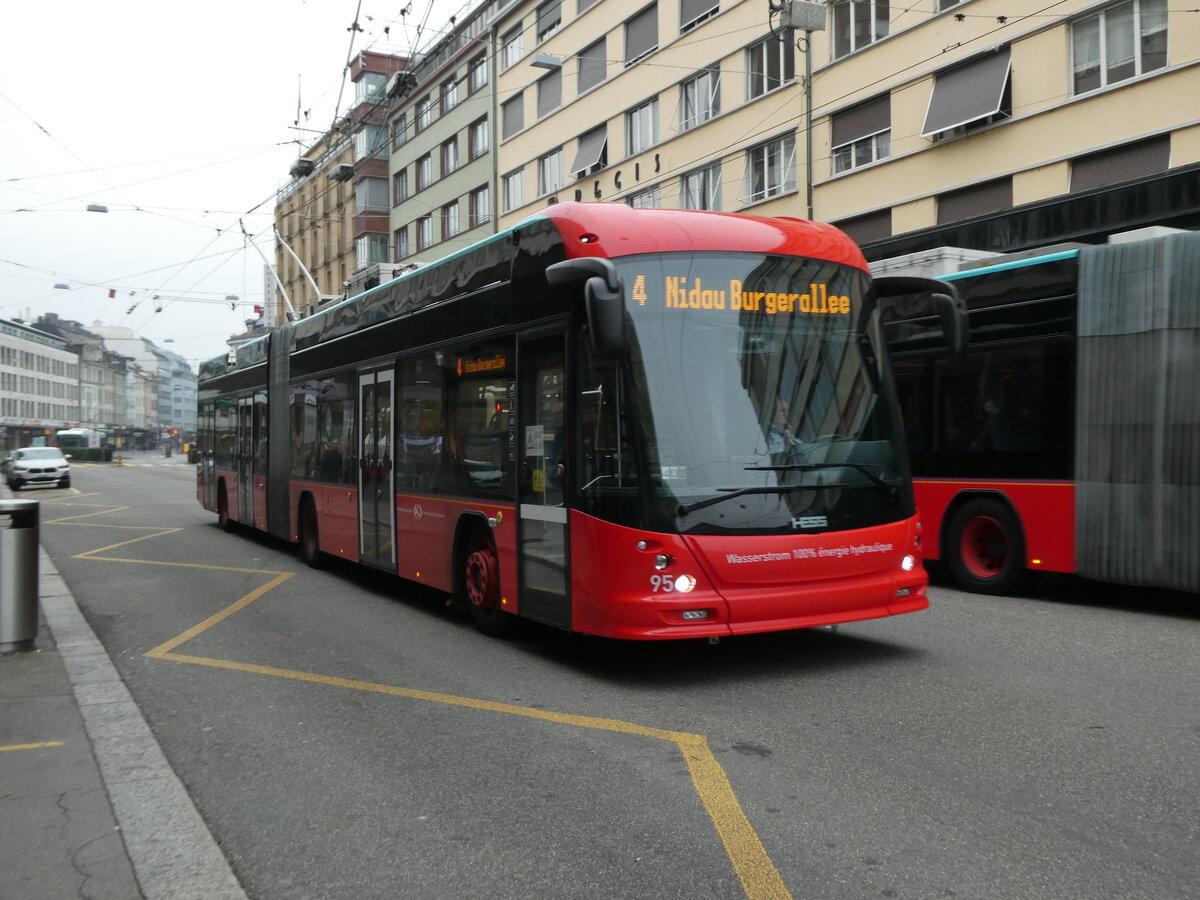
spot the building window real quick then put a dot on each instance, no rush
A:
(450, 220)
(514, 190)
(584, 6)
(399, 187)
(401, 238)
(370, 143)
(641, 128)
(449, 156)
(866, 229)
(769, 64)
(399, 131)
(592, 154)
(862, 135)
(1128, 162)
(550, 172)
(549, 93)
(371, 194)
(1118, 43)
(477, 73)
(477, 135)
(510, 47)
(699, 98)
(858, 24)
(424, 232)
(549, 17)
(512, 116)
(369, 87)
(424, 172)
(693, 12)
(701, 189)
(593, 65)
(641, 34)
(650, 198)
(771, 169)
(976, 200)
(449, 95)
(370, 249)
(424, 113)
(480, 206)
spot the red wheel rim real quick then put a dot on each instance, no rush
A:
(984, 547)
(481, 578)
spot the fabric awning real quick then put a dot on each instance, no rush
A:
(968, 92)
(591, 148)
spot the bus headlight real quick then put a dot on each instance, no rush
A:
(662, 561)
(908, 563)
(685, 583)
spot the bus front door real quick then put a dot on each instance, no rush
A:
(541, 395)
(376, 493)
(245, 460)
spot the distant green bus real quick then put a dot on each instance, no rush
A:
(77, 437)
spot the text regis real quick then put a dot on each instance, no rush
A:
(680, 295)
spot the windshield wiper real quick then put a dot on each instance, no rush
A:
(888, 489)
(688, 508)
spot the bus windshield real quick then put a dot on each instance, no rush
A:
(761, 399)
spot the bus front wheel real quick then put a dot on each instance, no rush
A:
(985, 547)
(481, 590)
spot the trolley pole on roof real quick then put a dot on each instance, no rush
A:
(799, 15)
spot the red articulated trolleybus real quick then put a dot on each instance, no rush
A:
(637, 424)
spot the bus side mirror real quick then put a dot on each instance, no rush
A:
(950, 307)
(602, 299)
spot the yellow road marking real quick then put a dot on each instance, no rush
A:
(40, 746)
(753, 866)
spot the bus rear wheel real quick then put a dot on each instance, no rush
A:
(310, 536)
(223, 519)
(481, 590)
(985, 547)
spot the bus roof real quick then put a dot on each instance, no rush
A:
(613, 229)
(616, 229)
(1015, 264)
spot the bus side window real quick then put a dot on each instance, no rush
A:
(421, 424)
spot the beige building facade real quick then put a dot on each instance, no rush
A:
(922, 116)
(944, 123)
(314, 215)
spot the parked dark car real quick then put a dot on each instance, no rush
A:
(37, 465)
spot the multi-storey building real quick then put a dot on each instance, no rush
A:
(314, 218)
(442, 127)
(961, 123)
(937, 123)
(333, 213)
(39, 384)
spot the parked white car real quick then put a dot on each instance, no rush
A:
(37, 465)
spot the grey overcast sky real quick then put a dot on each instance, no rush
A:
(179, 118)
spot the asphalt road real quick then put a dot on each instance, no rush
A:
(344, 735)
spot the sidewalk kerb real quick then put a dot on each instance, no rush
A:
(174, 855)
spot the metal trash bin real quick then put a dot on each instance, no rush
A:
(18, 575)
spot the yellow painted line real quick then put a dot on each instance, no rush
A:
(161, 651)
(757, 873)
(759, 878)
(101, 512)
(40, 746)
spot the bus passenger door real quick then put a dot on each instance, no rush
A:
(376, 491)
(541, 395)
(208, 436)
(245, 460)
